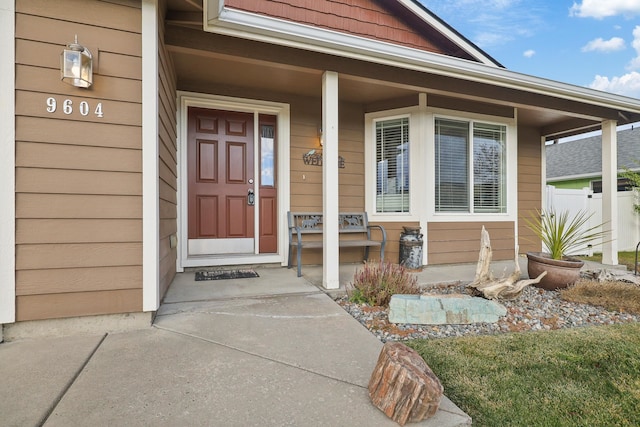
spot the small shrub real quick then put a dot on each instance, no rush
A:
(376, 282)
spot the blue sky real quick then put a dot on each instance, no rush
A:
(591, 43)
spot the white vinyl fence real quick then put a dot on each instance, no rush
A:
(575, 200)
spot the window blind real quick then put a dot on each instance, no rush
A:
(489, 162)
(392, 165)
(452, 165)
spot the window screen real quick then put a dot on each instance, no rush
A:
(392, 165)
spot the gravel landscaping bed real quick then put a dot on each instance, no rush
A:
(534, 310)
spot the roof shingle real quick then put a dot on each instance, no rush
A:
(583, 157)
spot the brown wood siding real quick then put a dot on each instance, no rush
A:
(70, 280)
(78, 178)
(379, 20)
(392, 248)
(458, 242)
(529, 185)
(51, 306)
(168, 163)
(306, 180)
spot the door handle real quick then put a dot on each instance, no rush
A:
(251, 198)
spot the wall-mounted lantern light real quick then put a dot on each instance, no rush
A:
(76, 65)
(320, 137)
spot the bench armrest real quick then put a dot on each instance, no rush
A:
(382, 230)
(299, 233)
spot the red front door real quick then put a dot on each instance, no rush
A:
(221, 181)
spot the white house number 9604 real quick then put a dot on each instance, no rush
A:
(68, 107)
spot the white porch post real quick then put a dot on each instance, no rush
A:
(7, 165)
(330, 255)
(610, 190)
(150, 186)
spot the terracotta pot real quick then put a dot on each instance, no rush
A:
(560, 272)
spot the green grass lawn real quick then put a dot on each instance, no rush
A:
(624, 258)
(571, 377)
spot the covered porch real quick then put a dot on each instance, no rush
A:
(328, 95)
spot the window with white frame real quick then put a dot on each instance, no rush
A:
(392, 165)
(470, 166)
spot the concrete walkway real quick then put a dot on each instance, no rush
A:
(268, 351)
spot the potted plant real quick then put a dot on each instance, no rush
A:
(560, 234)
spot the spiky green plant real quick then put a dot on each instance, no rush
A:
(561, 233)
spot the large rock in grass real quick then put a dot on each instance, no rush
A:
(403, 386)
(454, 309)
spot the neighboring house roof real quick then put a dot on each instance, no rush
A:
(582, 158)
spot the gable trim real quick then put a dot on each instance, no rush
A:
(232, 22)
(7, 166)
(251, 26)
(444, 28)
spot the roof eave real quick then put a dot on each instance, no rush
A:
(573, 177)
(586, 175)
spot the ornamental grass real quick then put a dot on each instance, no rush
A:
(376, 282)
(612, 295)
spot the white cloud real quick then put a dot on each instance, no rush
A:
(628, 84)
(600, 45)
(635, 62)
(528, 53)
(600, 9)
(492, 22)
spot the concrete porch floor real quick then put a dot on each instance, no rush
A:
(290, 322)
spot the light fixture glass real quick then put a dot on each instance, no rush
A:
(76, 65)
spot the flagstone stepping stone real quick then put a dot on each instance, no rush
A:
(454, 309)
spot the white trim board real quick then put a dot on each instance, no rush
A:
(282, 112)
(7, 165)
(150, 185)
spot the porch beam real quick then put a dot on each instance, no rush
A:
(610, 191)
(569, 127)
(330, 199)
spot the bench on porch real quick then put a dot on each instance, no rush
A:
(301, 223)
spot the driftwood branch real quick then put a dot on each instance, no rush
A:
(484, 284)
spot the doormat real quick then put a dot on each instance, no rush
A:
(224, 274)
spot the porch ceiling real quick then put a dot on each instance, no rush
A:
(195, 68)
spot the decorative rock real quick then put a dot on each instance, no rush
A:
(443, 309)
(403, 386)
(606, 275)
